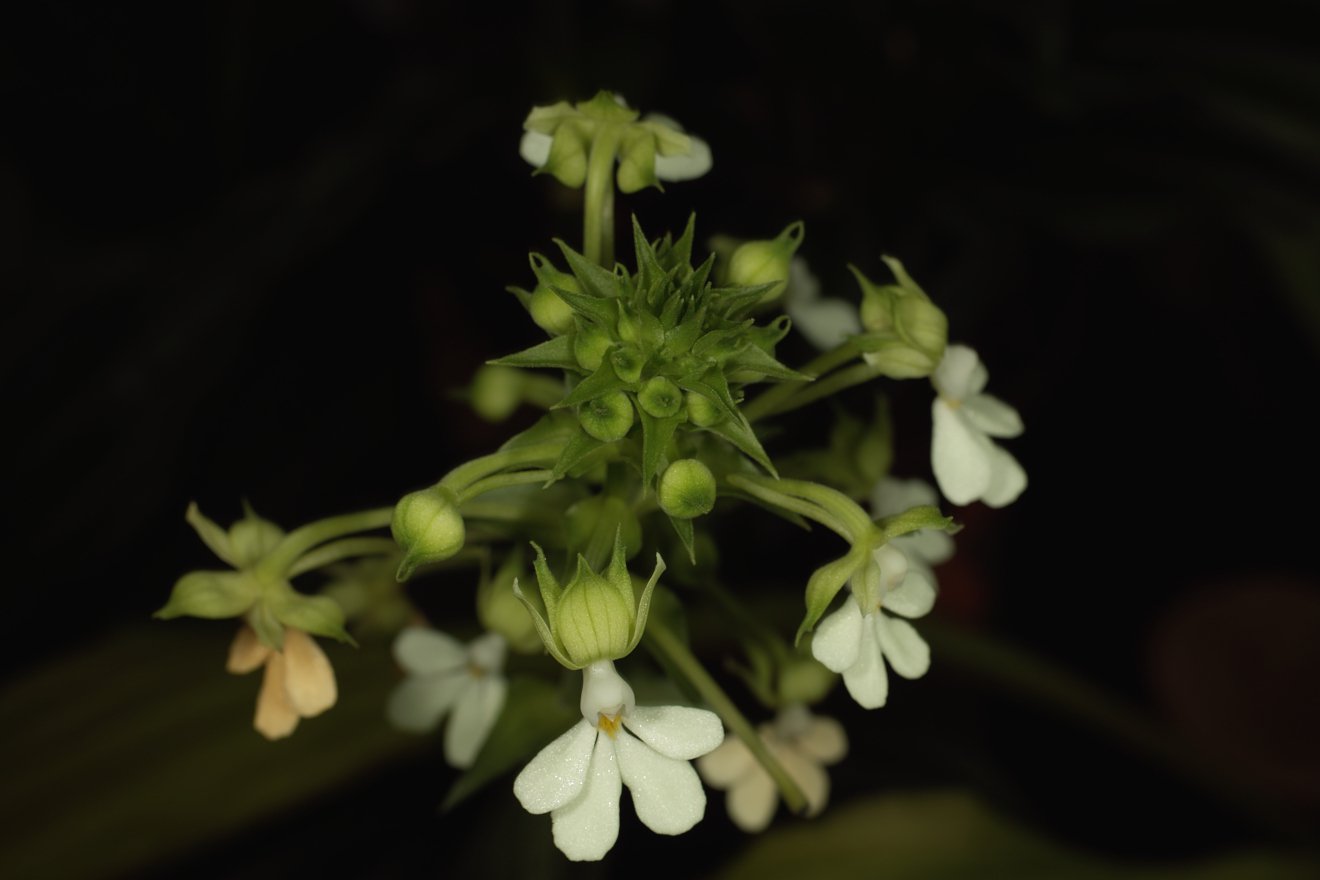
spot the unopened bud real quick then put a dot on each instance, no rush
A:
(608, 417)
(766, 262)
(687, 489)
(497, 391)
(428, 526)
(547, 308)
(660, 397)
(593, 618)
(500, 611)
(702, 411)
(589, 346)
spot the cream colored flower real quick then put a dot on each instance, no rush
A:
(968, 465)
(804, 744)
(299, 681)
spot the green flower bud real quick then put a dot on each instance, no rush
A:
(500, 611)
(687, 489)
(593, 619)
(907, 332)
(428, 526)
(608, 417)
(548, 310)
(660, 397)
(803, 680)
(703, 411)
(589, 346)
(497, 391)
(251, 538)
(766, 262)
(925, 327)
(877, 311)
(627, 362)
(211, 594)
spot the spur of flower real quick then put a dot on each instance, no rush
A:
(298, 683)
(578, 778)
(860, 637)
(968, 465)
(446, 677)
(804, 744)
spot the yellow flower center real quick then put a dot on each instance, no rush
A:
(609, 723)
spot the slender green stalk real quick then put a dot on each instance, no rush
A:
(769, 402)
(304, 538)
(542, 391)
(835, 382)
(661, 641)
(598, 209)
(503, 481)
(533, 455)
(831, 508)
(344, 549)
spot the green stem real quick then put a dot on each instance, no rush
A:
(533, 455)
(345, 549)
(542, 391)
(598, 210)
(829, 507)
(768, 402)
(661, 641)
(857, 374)
(503, 481)
(300, 540)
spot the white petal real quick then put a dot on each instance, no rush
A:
(960, 455)
(1008, 479)
(992, 416)
(309, 678)
(420, 701)
(729, 762)
(487, 652)
(676, 731)
(246, 652)
(586, 827)
(474, 715)
(838, 637)
(927, 547)
(893, 496)
(693, 164)
(814, 782)
(803, 287)
(960, 373)
(914, 597)
(906, 651)
(824, 740)
(825, 322)
(666, 792)
(535, 148)
(276, 718)
(423, 651)
(557, 773)
(751, 803)
(866, 679)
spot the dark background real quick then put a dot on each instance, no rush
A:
(250, 249)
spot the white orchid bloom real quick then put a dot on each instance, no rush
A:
(804, 744)
(578, 778)
(860, 637)
(445, 675)
(968, 465)
(924, 548)
(824, 321)
(299, 681)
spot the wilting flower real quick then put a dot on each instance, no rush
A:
(803, 744)
(578, 778)
(299, 681)
(857, 639)
(443, 676)
(968, 464)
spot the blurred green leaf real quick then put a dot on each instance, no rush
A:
(140, 747)
(936, 835)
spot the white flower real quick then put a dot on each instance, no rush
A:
(968, 465)
(689, 164)
(824, 321)
(857, 639)
(299, 681)
(924, 548)
(578, 778)
(443, 674)
(803, 744)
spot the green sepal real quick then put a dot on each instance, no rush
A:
(567, 161)
(752, 357)
(556, 353)
(318, 615)
(575, 453)
(687, 535)
(904, 279)
(679, 253)
(267, 628)
(617, 573)
(596, 281)
(252, 538)
(637, 163)
(213, 595)
(524, 297)
(656, 434)
(603, 381)
(644, 604)
(212, 535)
(735, 302)
(593, 308)
(825, 583)
(649, 270)
(543, 630)
(915, 518)
(534, 714)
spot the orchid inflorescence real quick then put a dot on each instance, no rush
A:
(656, 378)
